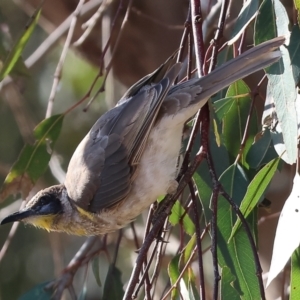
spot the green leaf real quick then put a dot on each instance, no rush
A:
(38, 293)
(265, 25)
(294, 51)
(16, 52)
(297, 6)
(246, 15)
(227, 290)
(262, 151)
(173, 271)
(193, 292)
(295, 276)
(113, 286)
(232, 112)
(33, 159)
(177, 214)
(95, 268)
(237, 255)
(281, 87)
(255, 191)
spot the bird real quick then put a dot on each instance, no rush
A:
(129, 158)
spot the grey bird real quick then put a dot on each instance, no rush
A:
(129, 157)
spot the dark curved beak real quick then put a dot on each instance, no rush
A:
(17, 216)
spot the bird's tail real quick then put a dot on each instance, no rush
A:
(184, 99)
(249, 62)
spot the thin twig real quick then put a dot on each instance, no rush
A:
(198, 241)
(58, 71)
(185, 267)
(90, 24)
(109, 66)
(197, 21)
(251, 109)
(218, 34)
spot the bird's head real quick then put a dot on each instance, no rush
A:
(42, 210)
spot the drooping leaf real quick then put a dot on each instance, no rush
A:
(272, 21)
(232, 112)
(15, 53)
(246, 15)
(236, 255)
(295, 276)
(38, 293)
(178, 213)
(113, 286)
(294, 51)
(286, 239)
(33, 159)
(174, 272)
(95, 268)
(297, 6)
(262, 151)
(265, 25)
(255, 191)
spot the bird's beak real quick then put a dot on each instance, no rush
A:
(18, 216)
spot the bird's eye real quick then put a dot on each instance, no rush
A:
(44, 200)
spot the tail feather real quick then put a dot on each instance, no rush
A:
(249, 62)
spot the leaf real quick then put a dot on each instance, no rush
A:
(227, 290)
(95, 268)
(237, 255)
(262, 151)
(83, 292)
(295, 276)
(272, 21)
(38, 293)
(193, 292)
(16, 52)
(33, 159)
(173, 271)
(176, 215)
(297, 6)
(265, 26)
(281, 88)
(232, 112)
(286, 238)
(113, 286)
(246, 15)
(255, 191)
(294, 51)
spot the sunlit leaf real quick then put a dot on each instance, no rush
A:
(113, 286)
(286, 238)
(178, 213)
(15, 53)
(295, 276)
(173, 271)
(33, 159)
(38, 293)
(246, 15)
(297, 6)
(255, 191)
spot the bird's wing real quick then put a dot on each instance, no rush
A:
(100, 171)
